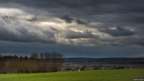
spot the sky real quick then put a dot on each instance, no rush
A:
(75, 28)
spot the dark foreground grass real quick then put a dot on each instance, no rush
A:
(95, 75)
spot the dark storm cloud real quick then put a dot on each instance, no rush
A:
(70, 19)
(18, 25)
(119, 31)
(138, 41)
(84, 12)
(126, 11)
(71, 51)
(96, 28)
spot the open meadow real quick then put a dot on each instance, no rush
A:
(94, 75)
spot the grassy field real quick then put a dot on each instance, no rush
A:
(95, 75)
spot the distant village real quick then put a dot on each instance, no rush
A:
(53, 62)
(102, 63)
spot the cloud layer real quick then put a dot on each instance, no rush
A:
(81, 22)
(18, 25)
(89, 28)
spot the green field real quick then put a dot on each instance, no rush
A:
(95, 75)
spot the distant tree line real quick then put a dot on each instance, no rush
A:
(36, 62)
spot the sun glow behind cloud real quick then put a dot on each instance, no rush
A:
(23, 26)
